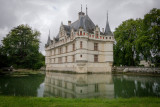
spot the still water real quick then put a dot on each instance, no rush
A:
(80, 85)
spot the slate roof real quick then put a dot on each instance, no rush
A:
(107, 29)
(48, 41)
(85, 22)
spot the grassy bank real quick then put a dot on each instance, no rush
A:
(60, 102)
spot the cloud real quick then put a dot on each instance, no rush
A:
(48, 14)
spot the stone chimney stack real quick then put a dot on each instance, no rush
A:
(69, 23)
(102, 30)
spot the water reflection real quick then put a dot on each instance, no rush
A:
(139, 86)
(100, 85)
(78, 85)
(20, 85)
(40, 90)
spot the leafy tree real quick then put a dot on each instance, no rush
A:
(22, 47)
(125, 52)
(3, 58)
(138, 39)
(152, 31)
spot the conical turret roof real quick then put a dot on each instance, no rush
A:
(107, 29)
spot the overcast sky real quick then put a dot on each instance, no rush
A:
(43, 15)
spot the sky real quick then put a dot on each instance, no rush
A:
(45, 15)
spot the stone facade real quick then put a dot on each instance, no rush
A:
(80, 47)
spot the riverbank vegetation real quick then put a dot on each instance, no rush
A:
(20, 49)
(138, 40)
(6, 101)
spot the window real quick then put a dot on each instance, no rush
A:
(52, 52)
(55, 52)
(96, 46)
(106, 38)
(109, 37)
(80, 44)
(59, 60)
(65, 58)
(81, 56)
(96, 33)
(95, 58)
(60, 51)
(96, 87)
(65, 84)
(73, 59)
(80, 32)
(73, 87)
(73, 47)
(66, 49)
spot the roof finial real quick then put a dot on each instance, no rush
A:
(49, 32)
(107, 15)
(81, 7)
(86, 9)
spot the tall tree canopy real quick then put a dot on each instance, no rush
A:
(138, 40)
(22, 47)
(125, 52)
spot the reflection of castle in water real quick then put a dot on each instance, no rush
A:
(78, 85)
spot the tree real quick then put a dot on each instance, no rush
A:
(125, 52)
(138, 40)
(3, 58)
(22, 46)
(152, 31)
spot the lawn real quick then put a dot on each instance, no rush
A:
(10, 101)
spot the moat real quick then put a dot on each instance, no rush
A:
(80, 85)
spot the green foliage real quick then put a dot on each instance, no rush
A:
(138, 40)
(125, 52)
(21, 46)
(3, 58)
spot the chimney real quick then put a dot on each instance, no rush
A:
(102, 30)
(69, 23)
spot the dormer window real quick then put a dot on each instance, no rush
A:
(80, 32)
(96, 33)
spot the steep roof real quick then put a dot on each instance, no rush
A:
(48, 41)
(107, 29)
(67, 29)
(85, 22)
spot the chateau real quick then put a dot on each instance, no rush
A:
(81, 47)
